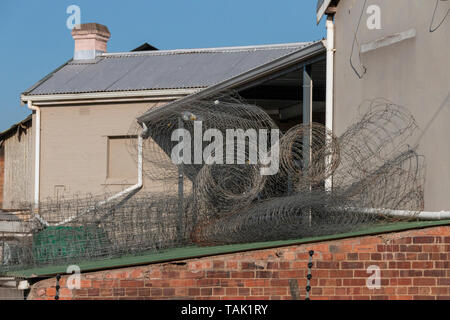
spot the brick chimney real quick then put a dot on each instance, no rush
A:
(90, 40)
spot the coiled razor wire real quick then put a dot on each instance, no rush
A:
(370, 165)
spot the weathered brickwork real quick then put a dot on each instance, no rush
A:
(414, 264)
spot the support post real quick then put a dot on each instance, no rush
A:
(307, 94)
(307, 119)
(329, 91)
(307, 111)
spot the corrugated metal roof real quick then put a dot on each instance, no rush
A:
(311, 53)
(164, 69)
(322, 6)
(13, 129)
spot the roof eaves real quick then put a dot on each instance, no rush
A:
(322, 6)
(63, 98)
(48, 76)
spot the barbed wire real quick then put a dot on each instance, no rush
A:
(371, 166)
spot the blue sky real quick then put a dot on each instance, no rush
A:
(35, 39)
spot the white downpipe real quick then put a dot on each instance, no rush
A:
(329, 87)
(37, 160)
(421, 215)
(135, 187)
(37, 152)
(430, 215)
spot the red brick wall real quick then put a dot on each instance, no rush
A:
(414, 265)
(2, 174)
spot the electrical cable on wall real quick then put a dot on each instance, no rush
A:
(434, 17)
(355, 41)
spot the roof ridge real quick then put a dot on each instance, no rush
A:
(291, 45)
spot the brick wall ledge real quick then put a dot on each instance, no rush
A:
(413, 264)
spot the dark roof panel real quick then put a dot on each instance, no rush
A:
(145, 47)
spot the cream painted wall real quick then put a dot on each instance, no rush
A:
(414, 73)
(74, 148)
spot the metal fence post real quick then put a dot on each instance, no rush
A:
(180, 191)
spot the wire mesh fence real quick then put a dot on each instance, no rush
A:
(323, 185)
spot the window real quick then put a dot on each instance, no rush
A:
(122, 162)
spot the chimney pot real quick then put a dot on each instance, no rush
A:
(90, 40)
